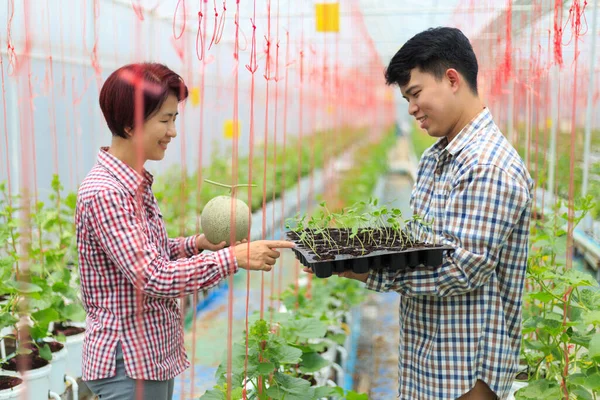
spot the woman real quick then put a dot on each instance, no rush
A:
(131, 273)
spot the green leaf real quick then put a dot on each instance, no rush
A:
(591, 382)
(213, 395)
(540, 389)
(594, 349)
(592, 317)
(576, 278)
(45, 352)
(290, 388)
(339, 338)
(24, 351)
(352, 395)
(581, 393)
(60, 287)
(24, 287)
(327, 391)
(265, 368)
(71, 201)
(312, 362)
(544, 297)
(308, 328)
(287, 354)
(73, 312)
(7, 319)
(45, 316)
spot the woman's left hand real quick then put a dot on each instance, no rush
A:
(203, 244)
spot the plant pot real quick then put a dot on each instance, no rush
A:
(515, 387)
(59, 366)
(59, 363)
(36, 380)
(11, 387)
(392, 257)
(74, 334)
(3, 345)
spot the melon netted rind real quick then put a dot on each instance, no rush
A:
(216, 220)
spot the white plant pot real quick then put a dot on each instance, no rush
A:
(4, 332)
(59, 370)
(74, 356)
(331, 352)
(15, 393)
(36, 382)
(514, 388)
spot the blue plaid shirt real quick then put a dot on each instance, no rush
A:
(461, 321)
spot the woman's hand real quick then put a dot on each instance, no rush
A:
(259, 255)
(203, 244)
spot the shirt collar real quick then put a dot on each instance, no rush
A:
(129, 177)
(469, 132)
(463, 137)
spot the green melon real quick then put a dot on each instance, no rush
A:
(215, 219)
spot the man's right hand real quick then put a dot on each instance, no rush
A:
(260, 254)
(346, 274)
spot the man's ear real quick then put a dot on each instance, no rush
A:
(454, 78)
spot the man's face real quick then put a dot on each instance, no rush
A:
(431, 102)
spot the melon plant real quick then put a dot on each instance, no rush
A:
(215, 219)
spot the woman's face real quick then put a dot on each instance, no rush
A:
(158, 130)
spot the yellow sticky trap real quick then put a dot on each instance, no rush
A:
(195, 96)
(548, 123)
(230, 129)
(327, 17)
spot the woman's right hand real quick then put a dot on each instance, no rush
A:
(259, 255)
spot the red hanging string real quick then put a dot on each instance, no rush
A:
(49, 89)
(267, 77)
(220, 25)
(137, 9)
(251, 67)
(274, 176)
(299, 144)
(234, 172)
(12, 55)
(175, 35)
(284, 146)
(575, 16)
(9, 180)
(200, 38)
(199, 180)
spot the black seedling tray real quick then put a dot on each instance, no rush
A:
(393, 260)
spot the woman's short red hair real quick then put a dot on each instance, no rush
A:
(117, 96)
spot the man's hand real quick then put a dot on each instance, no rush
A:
(203, 244)
(346, 274)
(259, 255)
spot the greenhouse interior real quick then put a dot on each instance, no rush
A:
(299, 200)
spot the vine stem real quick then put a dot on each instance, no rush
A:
(229, 186)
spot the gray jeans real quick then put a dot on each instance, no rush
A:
(123, 387)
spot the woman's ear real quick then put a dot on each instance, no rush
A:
(128, 131)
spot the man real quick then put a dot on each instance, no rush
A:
(460, 322)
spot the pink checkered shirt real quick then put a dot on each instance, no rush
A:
(132, 275)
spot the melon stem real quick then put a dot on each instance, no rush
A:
(231, 187)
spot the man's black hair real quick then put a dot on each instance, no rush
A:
(434, 51)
